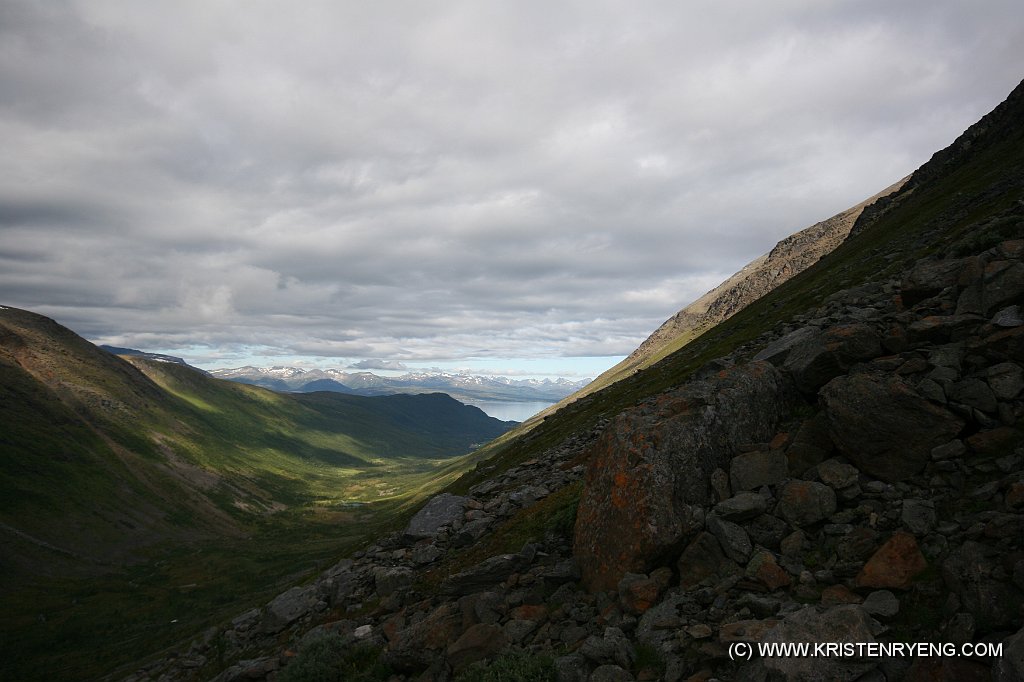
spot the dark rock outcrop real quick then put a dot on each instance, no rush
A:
(649, 476)
(883, 425)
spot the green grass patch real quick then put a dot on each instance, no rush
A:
(512, 667)
(329, 659)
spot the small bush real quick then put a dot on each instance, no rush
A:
(513, 667)
(330, 659)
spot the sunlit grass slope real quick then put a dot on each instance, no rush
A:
(141, 501)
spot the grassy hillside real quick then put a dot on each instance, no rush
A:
(141, 500)
(966, 197)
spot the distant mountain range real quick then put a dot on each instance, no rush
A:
(463, 387)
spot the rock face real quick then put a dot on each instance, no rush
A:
(650, 474)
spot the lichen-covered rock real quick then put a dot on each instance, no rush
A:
(894, 565)
(648, 471)
(804, 503)
(882, 425)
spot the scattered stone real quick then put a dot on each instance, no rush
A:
(610, 673)
(918, 516)
(952, 450)
(742, 506)
(746, 630)
(1006, 380)
(804, 503)
(837, 475)
(477, 643)
(703, 558)
(1009, 317)
(894, 565)
(732, 538)
(882, 603)
(485, 574)
(764, 568)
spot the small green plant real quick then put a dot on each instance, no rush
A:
(513, 667)
(330, 659)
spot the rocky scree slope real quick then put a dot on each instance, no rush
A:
(860, 478)
(788, 258)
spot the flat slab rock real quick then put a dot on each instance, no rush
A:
(439, 511)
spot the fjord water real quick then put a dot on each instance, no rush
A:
(510, 411)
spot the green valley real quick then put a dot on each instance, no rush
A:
(143, 500)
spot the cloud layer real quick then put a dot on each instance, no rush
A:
(429, 182)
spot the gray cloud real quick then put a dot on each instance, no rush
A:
(378, 364)
(436, 181)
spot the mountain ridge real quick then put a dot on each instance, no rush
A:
(464, 387)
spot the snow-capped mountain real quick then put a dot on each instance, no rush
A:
(459, 386)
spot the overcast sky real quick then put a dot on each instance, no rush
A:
(526, 187)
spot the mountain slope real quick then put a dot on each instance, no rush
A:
(112, 468)
(788, 258)
(842, 460)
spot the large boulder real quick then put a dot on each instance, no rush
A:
(648, 477)
(819, 358)
(883, 425)
(288, 607)
(439, 511)
(847, 623)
